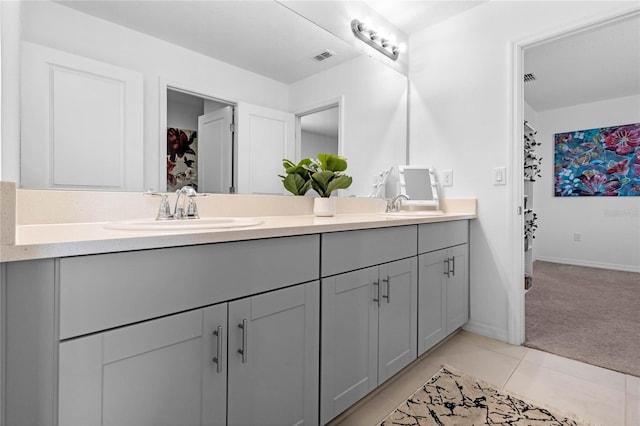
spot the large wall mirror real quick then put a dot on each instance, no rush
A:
(106, 84)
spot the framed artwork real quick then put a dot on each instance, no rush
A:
(598, 162)
(182, 158)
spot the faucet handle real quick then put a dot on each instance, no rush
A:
(164, 212)
(389, 205)
(192, 209)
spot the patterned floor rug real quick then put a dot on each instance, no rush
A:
(453, 398)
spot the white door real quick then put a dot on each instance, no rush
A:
(265, 136)
(82, 122)
(215, 151)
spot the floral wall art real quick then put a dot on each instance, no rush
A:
(598, 162)
(182, 158)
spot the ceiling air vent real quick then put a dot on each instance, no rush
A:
(529, 77)
(324, 55)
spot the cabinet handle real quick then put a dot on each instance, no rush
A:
(388, 296)
(447, 268)
(243, 351)
(452, 263)
(377, 297)
(218, 358)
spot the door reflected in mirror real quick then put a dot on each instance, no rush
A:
(200, 141)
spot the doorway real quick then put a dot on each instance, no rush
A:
(318, 130)
(200, 147)
(521, 112)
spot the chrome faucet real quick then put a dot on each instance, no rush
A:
(191, 210)
(394, 204)
(180, 211)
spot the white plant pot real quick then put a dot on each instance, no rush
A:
(324, 207)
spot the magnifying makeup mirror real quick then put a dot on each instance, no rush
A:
(420, 185)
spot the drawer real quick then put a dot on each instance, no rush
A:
(351, 250)
(99, 292)
(436, 236)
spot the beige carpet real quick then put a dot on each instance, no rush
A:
(453, 398)
(587, 314)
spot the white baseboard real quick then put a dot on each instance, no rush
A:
(486, 330)
(590, 264)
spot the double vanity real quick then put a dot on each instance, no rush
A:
(285, 318)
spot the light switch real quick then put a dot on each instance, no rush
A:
(500, 176)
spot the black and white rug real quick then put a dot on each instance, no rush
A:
(453, 398)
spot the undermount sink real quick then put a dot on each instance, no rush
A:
(413, 213)
(186, 224)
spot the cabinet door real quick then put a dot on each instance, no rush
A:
(214, 365)
(349, 360)
(397, 343)
(145, 374)
(457, 287)
(273, 358)
(431, 299)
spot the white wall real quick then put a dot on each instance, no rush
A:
(609, 226)
(62, 28)
(183, 116)
(461, 112)
(375, 104)
(313, 144)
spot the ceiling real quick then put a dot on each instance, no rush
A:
(592, 65)
(413, 15)
(587, 66)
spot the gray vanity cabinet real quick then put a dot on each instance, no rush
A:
(443, 285)
(179, 370)
(369, 315)
(128, 338)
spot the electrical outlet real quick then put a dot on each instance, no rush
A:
(577, 237)
(447, 178)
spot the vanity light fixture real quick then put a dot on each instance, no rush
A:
(373, 39)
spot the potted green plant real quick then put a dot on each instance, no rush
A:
(324, 175)
(298, 176)
(328, 174)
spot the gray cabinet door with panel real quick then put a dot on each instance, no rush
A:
(457, 287)
(397, 344)
(274, 358)
(431, 300)
(349, 356)
(146, 374)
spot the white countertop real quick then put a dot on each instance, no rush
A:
(38, 241)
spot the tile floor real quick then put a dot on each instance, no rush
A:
(600, 396)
